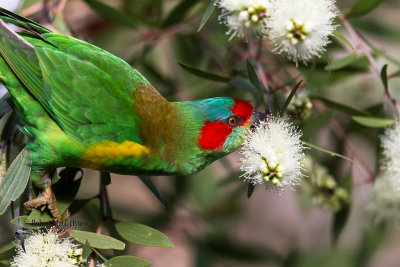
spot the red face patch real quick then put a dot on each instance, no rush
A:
(213, 135)
(242, 109)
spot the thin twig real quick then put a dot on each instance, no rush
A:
(99, 228)
(337, 129)
(101, 213)
(363, 48)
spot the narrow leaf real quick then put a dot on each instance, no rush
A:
(7, 247)
(251, 72)
(179, 12)
(331, 153)
(15, 180)
(204, 74)
(342, 39)
(243, 84)
(207, 14)
(152, 187)
(341, 107)
(342, 62)
(3, 121)
(292, 93)
(340, 217)
(97, 240)
(111, 13)
(250, 190)
(123, 261)
(385, 78)
(363, 7)
(86, 251)
(373, 122)
(142, 234)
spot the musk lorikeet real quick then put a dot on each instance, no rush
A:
(83, 107)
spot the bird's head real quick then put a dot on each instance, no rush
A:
(224, 124)
(207, 130)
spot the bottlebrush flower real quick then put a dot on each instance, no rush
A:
(383, 202)
(390, 143)
(243, 16)
(46, 248)
(272, 154)
(300, 29)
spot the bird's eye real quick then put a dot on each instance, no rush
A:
(232, 121)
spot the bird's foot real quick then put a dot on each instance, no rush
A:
(47, 198)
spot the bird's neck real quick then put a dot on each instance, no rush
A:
(171, 131)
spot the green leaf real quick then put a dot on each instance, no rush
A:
(3, 121)
(7, 247)
(372, 239)
(250, 190)
(123, 261)
(292, 93)
(86, 250)
(373, 122)
(331, 153)
(4, 106)
(39, 217)
(68, 180)
(15, 180)
(204, 74)
(340, 218)
(341, 38)
(152, 187)
(97, 240)
(385, 78)
(142, 234)
(340, 107)
(243, 84)
(251, 72)
(363, 7)
(179, 12)
(207, 14)
(24, 223)
(111, 13)
(77, 205)
(342, 62)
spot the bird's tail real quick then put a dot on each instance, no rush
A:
(15, 51)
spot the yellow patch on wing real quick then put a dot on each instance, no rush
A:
(108, 150)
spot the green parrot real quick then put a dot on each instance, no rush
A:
(83, 107)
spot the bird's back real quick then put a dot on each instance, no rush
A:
(77, 100)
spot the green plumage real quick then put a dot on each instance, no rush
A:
(83, 107)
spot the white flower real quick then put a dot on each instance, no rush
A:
(390, 143)
(300, 29)
(243, 16)
(46, 248)
(272, 154)
(383, 202)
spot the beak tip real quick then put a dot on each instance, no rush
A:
(257, 118)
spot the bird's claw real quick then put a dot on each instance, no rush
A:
(47, 198)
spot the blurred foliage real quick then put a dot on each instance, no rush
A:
(183, 50)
